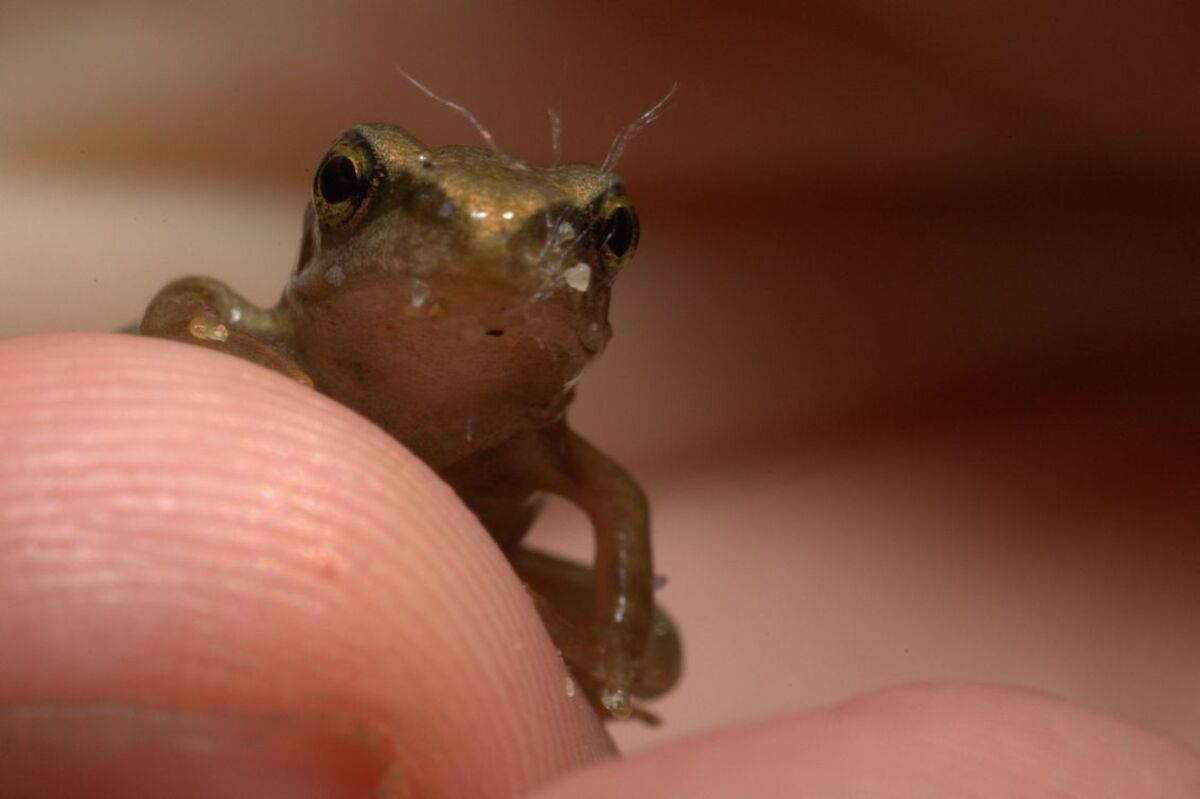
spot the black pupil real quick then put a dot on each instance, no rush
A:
(338, 180)
(618, 231)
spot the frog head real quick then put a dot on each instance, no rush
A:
(463, 285)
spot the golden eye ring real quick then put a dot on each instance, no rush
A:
(342, 183)
(618, 232)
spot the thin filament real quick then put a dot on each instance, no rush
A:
(484, 133)
(626, 134)
(555, 134)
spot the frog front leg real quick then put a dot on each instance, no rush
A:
(564, 594)
(203, 311)
(623, 573)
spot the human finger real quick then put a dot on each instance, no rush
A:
(947, 740)
(192, 543)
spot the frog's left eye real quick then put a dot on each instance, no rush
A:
(342, 183)
(618, 232)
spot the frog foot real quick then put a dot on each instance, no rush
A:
(619, 677)
(617, 702)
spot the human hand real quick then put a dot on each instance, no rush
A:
(218, 582)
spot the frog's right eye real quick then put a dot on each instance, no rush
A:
(343, 183)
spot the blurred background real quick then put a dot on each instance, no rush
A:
(908, 359)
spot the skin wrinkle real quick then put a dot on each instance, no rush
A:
(192, 491)
(267, 439)
(139, 592)
(265, 554)
(106, 479)
(127, 406)
(139, 545)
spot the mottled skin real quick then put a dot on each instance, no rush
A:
(453, 296)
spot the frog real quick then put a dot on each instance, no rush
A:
(453, 296)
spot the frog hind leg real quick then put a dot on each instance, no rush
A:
(564, 595)
(206, 312)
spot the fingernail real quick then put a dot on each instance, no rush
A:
(126, 750)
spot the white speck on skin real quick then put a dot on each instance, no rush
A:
(420, 293)
(445, 209)
(508, 214)
(565, 230)
(335, 276)
(579, 276)
(594, 337)
(618, 614)
(479, 213)
(235, 315)
(207, 328)
(617, 703)
(570, 686)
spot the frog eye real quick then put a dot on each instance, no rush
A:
(342, 183)
(618, 232)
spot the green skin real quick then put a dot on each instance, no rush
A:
(453, 296)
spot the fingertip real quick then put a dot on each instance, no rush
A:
(182, 530)
(936, 740)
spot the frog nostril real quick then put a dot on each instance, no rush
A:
(495, 331)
